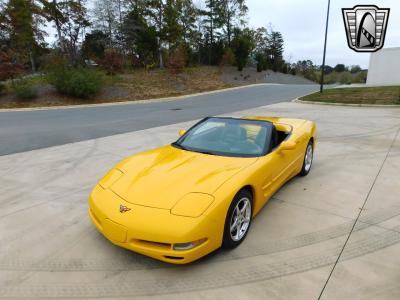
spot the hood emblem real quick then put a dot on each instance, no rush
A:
(123, 208)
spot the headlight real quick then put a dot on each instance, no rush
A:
(192, 205)
(110, 178)
(188, 246)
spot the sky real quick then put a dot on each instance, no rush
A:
(302, 24)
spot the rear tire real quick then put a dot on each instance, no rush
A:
(238, 219)
(308, 159)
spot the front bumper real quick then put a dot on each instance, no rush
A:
(151, 231)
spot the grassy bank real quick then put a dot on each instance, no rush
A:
(129, 86)
(365, 95)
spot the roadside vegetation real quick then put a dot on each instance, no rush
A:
(132, 50)
(338, 74)
(137, 84)
(366, 95)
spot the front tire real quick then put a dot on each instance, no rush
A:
(238, 219)
(308, 159)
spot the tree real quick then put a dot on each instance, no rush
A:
(94, 45)
(231, 11)
(306, 68)
(53, 13)
(76, 21)
(275, 50)
(21, 21)
(155, 12)
(104, 15)
(339, 68)
(140, 38)
(177, 60)
(149, 31)
(70, 19)
(5, 28)
(355, 69)
(179, 28)
(261, 42)
(242, 45)
(328, 69)
(212, 21)
(261, 39)
(173, 30)
(187, 15)
(261, 61)
(228, 59)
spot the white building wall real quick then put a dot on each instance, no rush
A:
(384, 67)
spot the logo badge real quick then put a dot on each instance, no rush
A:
(123, 208)
(365, 27)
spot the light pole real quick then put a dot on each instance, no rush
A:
(321, 87)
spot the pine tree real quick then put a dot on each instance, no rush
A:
(187, 20)
(21, 26)
(231, 14)
(275, 50)
(212, 22)
(173, 30)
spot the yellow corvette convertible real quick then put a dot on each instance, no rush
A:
(182, 201)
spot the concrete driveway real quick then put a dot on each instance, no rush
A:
(310, 239)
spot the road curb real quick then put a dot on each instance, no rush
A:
(297, 100)
(129, 102)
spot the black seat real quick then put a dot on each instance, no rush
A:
(274, 138)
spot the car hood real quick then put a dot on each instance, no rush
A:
(160, 177)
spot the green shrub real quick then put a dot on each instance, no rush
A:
(2, 88)
(24, 90)
(77, 82)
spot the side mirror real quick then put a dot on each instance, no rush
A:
(182, 132)
(287, 145)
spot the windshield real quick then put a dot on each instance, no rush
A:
(228, 137)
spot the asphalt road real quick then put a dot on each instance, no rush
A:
(28, 130)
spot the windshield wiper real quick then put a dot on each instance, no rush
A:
(179, 146)
(204, 152)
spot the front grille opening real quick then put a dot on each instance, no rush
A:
(152, 244)
(173, 257)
